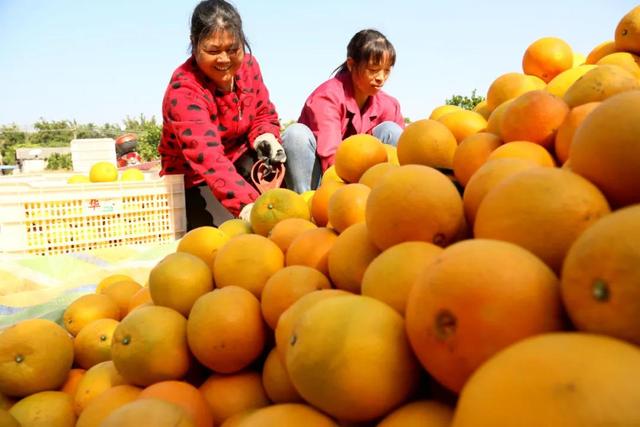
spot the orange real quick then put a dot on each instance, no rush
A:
(204, 243)
(149, 412)
(559, 368)
(605, 148)
(509, 86)
(330, 174)
(184, 395)
(275, 205)
(45, 409)
(578, 59)
(567, 129)
(247, 261)
(472, 153)
(228, 395)
(70, 385)
(88, 308)
(35, 355)
(427, 142)
(446, 316)
(494, 122)
(487, 177)
(150, 345)
(525, 150)
(441, 110)
(600, 285)
(143, 296)
(356, 154)
(599, 84)
(290, 317)
(374, 174)
(414, 202)
(286, 286)
(178, 280)
(234, 226)
(627, 34)
(563, 81)
(463, 123)
(320, 202)
(283, 233)
(626, 60)
(7, 420)
(350, 256)
(103, 172)
(93, 343)
(311, 248)
(534, 116)
(121, 292)
(225, 329)
(601, 50)
(105, 403)
(275, 379)
(340, 347)
(559, 205)
(132, 174)
(98, 379)
(419, 414)
(392, 155)
(482, 108)
(346, 206)
(112, 278)
(547, 57)
(391, 275)
(287, 414)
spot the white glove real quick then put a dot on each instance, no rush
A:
(245, 213)
(268, 147)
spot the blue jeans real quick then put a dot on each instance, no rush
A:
(304, 171)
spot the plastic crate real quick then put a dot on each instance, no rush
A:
(86, 152)
(48, 216)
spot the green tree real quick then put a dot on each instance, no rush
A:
(11, 137)
(59, 161)
(52, 133)
(466, 102)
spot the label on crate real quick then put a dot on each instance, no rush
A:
(101, 206)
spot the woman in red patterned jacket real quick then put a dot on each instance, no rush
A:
(217, 116)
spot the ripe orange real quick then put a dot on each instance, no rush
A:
(559, 368)
(93, 343)
(70, 385)
(509, 86)
(547, 57)
(347, 205)
(103, 172)
(94, 382)
(275, 379)
(441, 110)
(427, 142)
(225, 329)
(287, 414)
(446, 318)
(45, 408)
(356, 154)
(414, 202)
(601, 83)
(601, 50)
(567, 129)
(320, 202)
(391, 275)
(184, 395)
(178, 280)
(88, 308)
(349, 257)
(247, 261)
(374, 174)
(600, 283)
(36, 355)
(121, 293)
(228, 395)
(286, 286)
(626, 60)
(150, 345)
(149, 412)
(284, 232)
(523, 150)
(311, 248)
(559, 205)
(107, 402)
(420, 413)
(534, 116)
(463, 123)
(605, 148)
(627, 33)
(472, 153)
(204, 243)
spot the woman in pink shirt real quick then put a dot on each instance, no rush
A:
(350, 103)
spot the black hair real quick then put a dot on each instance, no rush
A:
(368, 46)
(211, 16)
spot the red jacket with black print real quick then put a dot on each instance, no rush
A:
(204, 130)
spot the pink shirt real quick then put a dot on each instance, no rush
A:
(332, 114)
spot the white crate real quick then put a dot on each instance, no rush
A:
(43, 216)
(86, 152)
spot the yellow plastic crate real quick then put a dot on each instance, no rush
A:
(44, 217)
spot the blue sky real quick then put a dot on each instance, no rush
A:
(99, 61)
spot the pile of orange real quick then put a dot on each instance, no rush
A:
(484, 272)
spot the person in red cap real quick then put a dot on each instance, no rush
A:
(126, 150)
(217, 116)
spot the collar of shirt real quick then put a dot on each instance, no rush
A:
(360, 119)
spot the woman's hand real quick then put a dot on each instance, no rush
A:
(268, 147)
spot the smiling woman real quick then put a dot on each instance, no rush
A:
(217, 116)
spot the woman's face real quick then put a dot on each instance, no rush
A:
(368, 78)
(219, 56)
